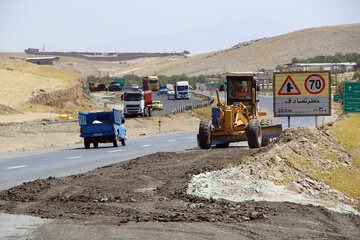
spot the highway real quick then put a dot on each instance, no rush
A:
(76, 159)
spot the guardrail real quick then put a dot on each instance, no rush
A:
(208, 101)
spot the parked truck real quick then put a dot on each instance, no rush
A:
(102, 127)
(138, 103)
(182, 90)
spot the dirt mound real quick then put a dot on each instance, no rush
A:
(7, 110)
(301, 166)
(153, 188)
(72, 98)
(20, 80)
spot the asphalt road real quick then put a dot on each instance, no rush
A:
(170, 105)
(76, 159)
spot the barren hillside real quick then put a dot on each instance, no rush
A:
(269, 52)
(246, 56)
(27, 87)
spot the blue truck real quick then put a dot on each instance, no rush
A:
(102, 127)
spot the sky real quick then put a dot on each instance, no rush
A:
(198, 26)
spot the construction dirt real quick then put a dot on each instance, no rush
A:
(153, 189)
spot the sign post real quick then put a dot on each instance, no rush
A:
(302, 94)
(351, 97)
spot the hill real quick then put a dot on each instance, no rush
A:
(246, 56)
(269, 52)
(28, 87)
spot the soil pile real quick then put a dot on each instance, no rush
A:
(297, 167)
(7, 110)
(72, 98)
(153, 188)
(20, 80)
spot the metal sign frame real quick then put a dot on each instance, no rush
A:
(294, 96)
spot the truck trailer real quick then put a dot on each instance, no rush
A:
(138, 103)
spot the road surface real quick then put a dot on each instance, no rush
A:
(76, 159)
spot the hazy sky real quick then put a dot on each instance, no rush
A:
(160, 25)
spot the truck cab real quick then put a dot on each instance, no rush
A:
(153, 83)
(137, 103)
(182, 90)
(102, 127)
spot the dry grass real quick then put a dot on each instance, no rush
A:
(21, 80)
(339, 176)
(205, 112)
(347, 133)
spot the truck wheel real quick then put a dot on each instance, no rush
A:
(86, 144)
(204, 136)
(96, 144)
(222, 145)
(254, 133)
(265, 122)
(115, 141)
(123, 142)
(150, 110)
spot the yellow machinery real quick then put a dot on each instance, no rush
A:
(238, 120)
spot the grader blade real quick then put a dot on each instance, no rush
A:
(271, 131)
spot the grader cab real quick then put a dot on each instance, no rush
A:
(238, 119)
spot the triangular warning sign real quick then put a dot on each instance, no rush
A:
(289, 88)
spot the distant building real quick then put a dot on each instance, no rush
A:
(266, 78)
(295, 67)
(32, 51)
(43, 60)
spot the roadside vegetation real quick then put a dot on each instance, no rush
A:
(337, 58)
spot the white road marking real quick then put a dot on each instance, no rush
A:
(9, 168)
(170, 141)
(74, 157)
(190, 138)
(112, 151)
(146, 145)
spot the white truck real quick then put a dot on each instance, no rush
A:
(138, 103)
(182, 90)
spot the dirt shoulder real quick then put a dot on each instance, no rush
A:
(147, 197)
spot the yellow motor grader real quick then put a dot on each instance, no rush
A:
(238, 119)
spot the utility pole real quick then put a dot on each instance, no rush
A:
(336, 69)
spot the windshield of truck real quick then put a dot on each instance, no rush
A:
(133, 97)
(182, 88)
(153, 81)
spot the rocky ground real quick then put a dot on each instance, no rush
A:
(148, 197)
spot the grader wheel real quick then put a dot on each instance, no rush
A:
(254, 134)
(205, 134)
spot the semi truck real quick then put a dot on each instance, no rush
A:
(138, 103)
(182, 90)
(153, 83)
(102, 127)
(145, 83)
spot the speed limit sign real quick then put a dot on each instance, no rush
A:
(304, 93)
(314, 84)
